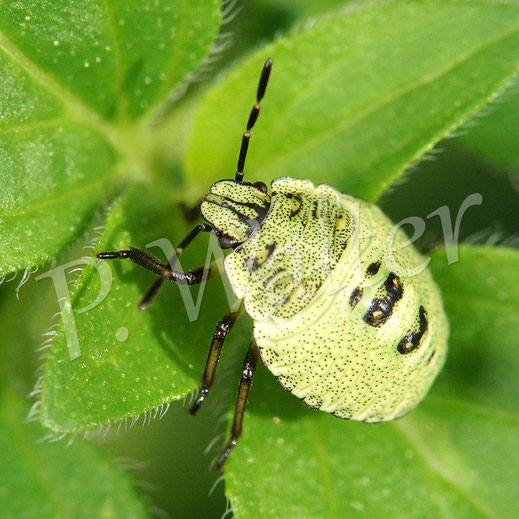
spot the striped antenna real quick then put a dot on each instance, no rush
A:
(262, 86)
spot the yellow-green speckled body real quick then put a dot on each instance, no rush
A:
(345, 316)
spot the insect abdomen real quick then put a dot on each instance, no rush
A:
(373, 337)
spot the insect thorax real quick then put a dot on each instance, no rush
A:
(284, 263)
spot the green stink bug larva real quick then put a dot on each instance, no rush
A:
(346, 316)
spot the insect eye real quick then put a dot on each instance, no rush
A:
(260, 186)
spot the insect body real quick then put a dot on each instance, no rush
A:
(345, 314)
(337, 317)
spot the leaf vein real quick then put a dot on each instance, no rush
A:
(52, 85)
(67, 195)
(437, 469)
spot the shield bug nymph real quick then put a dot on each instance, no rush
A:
(346, 323)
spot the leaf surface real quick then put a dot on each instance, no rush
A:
(130, 361)
(118, 58)
(75, 78)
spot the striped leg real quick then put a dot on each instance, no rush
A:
(248, 368)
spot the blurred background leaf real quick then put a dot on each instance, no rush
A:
(493, 138)
(41, 480)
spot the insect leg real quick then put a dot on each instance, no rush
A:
(165, 270)
(248, 368)
(222, 329)
(146, 300)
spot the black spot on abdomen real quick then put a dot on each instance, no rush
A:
(314, 209)
(254, 264)
(381, 309)
(412, 340)
(270, 249)
(297, 204)
(273, 275)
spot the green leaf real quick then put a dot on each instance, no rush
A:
(172, 445)
(119, 58)
(358, 96)
(53, 177)
(44, 480)
(74, 80)
(41, 478)
(451, 457)
(130, 361)
(494, 137)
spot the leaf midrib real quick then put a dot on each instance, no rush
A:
(122, 100)
(477, 300)
(32, 125)
(329, 70)
(70, 101)
(117, 136)
(324, 467)
(493, 413)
